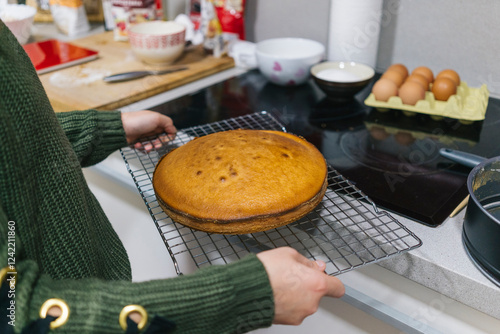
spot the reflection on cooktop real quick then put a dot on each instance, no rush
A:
(393, 158)
(392, 152)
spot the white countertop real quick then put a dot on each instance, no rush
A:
(443, 265)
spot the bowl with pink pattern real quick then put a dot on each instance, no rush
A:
(157, 42)
(288, 61)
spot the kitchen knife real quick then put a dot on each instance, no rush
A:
(120, 77)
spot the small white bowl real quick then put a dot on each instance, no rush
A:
(287, 61)
(19, 20)
(157, 42)
(341, 80)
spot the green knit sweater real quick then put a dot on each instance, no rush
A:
(65, 246)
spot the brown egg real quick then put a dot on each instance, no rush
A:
(420, 79)
(425, 71)
(450, 74)
(378, 133)
(443, 88)
(383, 89)
(411, 92)
(394, 76)
(404, 138)
(399, 68)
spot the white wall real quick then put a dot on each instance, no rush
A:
(459, 34)
(287, 18)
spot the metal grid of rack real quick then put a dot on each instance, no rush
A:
(346, 230)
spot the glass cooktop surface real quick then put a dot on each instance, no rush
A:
(393, 158)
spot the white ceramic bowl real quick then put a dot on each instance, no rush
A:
(157, 42)
(341, 80)
(19, 19)
(287, 61)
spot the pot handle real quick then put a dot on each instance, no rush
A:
(463, 158)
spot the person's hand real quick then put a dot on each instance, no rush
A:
(298, 284)
(145, 123)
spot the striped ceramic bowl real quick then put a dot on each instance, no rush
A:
(157, 42)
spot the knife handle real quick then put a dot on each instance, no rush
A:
(120, 77)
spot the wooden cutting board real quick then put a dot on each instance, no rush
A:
(82, 87)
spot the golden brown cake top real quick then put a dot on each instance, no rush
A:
(238, 174)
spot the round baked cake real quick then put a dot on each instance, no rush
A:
(240, 181)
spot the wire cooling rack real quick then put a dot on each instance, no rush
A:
(346, 230)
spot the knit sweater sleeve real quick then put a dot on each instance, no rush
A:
(93, 134)
(233, 298)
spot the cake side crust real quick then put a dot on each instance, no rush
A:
(247, 225)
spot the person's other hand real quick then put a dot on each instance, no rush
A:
(145, 123)
(298, 284)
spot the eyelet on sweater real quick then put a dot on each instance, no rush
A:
(3, 275)
(55, 302)
(127, 310)
(8, 271)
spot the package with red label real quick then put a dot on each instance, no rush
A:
(69, 16)
(231, 18)
(195, 13)
(160, 15)
(128, 12)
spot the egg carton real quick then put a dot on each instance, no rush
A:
(467, 105)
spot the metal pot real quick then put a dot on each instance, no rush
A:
(481, 228)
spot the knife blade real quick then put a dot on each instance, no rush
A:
(126, 76)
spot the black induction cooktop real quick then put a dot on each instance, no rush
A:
(393, 158)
